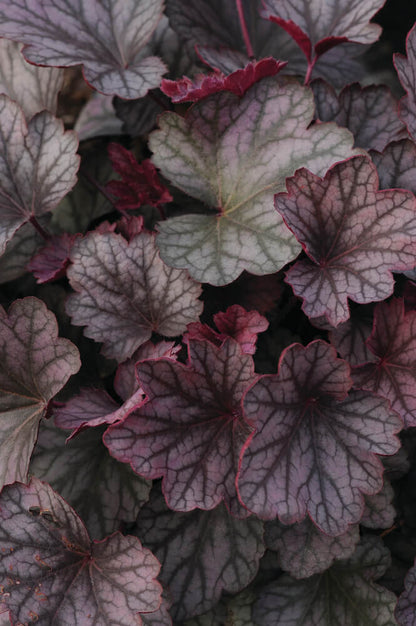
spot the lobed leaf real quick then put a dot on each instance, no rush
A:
(405, 609)
(396, 165)
(406, 70)
(51, 261)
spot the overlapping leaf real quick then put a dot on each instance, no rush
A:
(52, 573)
(125, 292)
(406, 69)
(350, 338)
(107, 38)
(38, 165)
(406, 606)
(379, 511)
(18, 253)
(234, 154)
(203, 553)
(52, 259)
(354, 236)
(34, 365)
(98, 118)
(192, 427)
(314, 449)
(396, 165)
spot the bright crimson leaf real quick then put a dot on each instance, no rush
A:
(354, 236)
(34, 365)
(228, 552)
(125, 292)
(393, 373)
(52, 572)
(51, 261)
(406, 69)
(314, 448)
(107, 38)
(38, 166)
(234, 154)
(192, 428)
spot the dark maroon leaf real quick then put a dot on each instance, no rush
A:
(51, 261)
(406, 69)
(354, 236)
(192, 427)
(314, 448)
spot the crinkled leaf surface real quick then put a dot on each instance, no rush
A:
(406, 607)
(304, 550)
(393, 373)
(107, 38)
(33, 88)
(104, 493)
(344, 595)
(406, 69)
(354, 236)
(34, 365)
(396, 165)
(203, 553)
(53, 573)
(314, 448)
(38, 166)
(234, 154)
(125, 292)
(192, 427)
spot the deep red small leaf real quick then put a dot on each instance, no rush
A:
(51, 261)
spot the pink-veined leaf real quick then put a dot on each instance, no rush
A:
(192, 427)
(318, 26)
(53, 573)
(38, 166)
(34, 365)
(354, 236)
(396, 165)
(105, 493)
(107, 38)
(314, 449)
(392, 375)
(379, 511)
(228, 552)
(51, 261)
(406, 606)
(406, 69)
(234, 154)
(343, 595)
(125, 292)
(304, 550)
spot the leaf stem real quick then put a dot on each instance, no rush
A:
(42, 232)
(311, 65)
(244, 29)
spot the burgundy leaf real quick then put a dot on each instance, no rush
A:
(34, 365)
(125, 292)
(192, 428)
(354, 236)
(51, 261)
(406, 69)
(396, 165)
(107, 38)
(38, 165)
(393, 373)
(314, 448)
(53, 573)
(140, 183)
(203, 553)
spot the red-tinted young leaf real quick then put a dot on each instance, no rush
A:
(53, 573)
(406, 607)
(140, 183)
(108, 39)
(314, 448)
(344, 595)
(406, 69)
(52, 260)
(192, 428)
(304, 550)
(203, 553)
(34, 365)
(125, 292)
(354, 236)
(38, 165)
(396, 165)
(393, 373)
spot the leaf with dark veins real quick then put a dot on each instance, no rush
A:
(350, 337)
(38, 166)
(51, 261)
(34, 365)
(107, 38)
(396, 165)
(192, 427)
(354, 236)
(315, 448)
(53, 573)
(406, 70)
(379, 511)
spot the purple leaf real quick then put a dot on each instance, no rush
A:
(379, 511)
(125, 292)
(18, 253)
(34, 365)
(192, 428)
(38, 166)
(314, 448)
(107, 39)
(202, 553)
(51, 261)
(406, 605)
(354, 236)
(304, 550)
(393, 373)
(343, 595)
(406, 69)
(396, 165)
(52, 572)
(89, 407)
(234, 154)
(350, 338)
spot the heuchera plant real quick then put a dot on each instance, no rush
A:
(207, 314)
